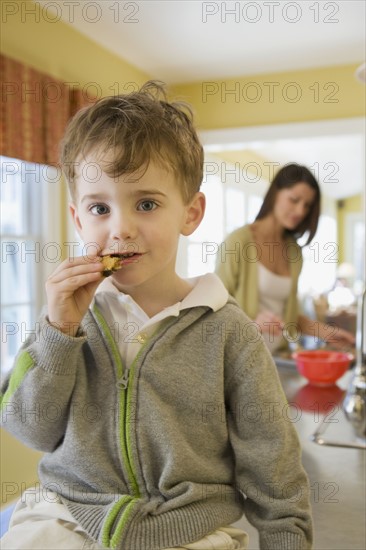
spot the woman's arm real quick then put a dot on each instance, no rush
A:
(329, 333)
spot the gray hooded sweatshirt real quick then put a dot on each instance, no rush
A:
(198, 436)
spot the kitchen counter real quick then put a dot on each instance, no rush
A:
(336, 474)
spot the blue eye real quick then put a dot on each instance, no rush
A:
(147, 206)
(99, 209)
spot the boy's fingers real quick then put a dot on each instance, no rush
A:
(75, 281)
(77, 261)
(84, 259)
(67, 270)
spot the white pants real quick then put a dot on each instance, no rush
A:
(44, 524)
(225, 538)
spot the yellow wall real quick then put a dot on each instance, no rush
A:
(59, 50)
(277, 98)
(18, 467)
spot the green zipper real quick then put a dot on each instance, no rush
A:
(110, 538)
(116, 517)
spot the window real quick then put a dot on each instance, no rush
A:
(320, 259)
(235, 208)
(30, 247)
(203, 243)
(229, 205)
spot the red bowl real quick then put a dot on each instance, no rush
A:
(320, 367)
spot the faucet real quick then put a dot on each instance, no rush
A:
(354, 404)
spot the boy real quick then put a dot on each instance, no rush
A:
(151, 375)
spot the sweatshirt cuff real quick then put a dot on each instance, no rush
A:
(284, 541)
(58, 352)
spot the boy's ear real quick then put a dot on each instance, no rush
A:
(195, 211)
(75, 217)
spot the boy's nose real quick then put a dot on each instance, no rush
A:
(123, 228)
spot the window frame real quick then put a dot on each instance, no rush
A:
(44, 234)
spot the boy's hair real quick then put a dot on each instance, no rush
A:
(127, 131)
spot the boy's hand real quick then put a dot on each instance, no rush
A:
(70, 290)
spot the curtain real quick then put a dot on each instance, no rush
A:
(35, 109)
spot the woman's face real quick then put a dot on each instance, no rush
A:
(292, 205)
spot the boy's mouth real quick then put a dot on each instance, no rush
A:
(126, 255)
(115, 261)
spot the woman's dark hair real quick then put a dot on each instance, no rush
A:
(286, 177)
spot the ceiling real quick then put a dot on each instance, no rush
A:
(193, 40)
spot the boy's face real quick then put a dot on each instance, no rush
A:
(140, 214)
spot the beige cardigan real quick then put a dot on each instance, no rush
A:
(237, 268)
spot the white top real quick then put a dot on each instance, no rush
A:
(273, 291)
(131, 327)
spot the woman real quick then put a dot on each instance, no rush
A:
(260, 263)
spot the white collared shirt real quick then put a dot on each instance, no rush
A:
(132, 327)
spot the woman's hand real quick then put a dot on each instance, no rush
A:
(338, 337)
(270, 323)
(70, 290)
